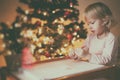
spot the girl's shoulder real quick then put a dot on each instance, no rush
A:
(110, 36)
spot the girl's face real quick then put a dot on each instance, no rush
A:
(95, 25)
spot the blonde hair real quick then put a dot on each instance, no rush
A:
(100, 10)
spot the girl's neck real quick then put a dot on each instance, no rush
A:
(101, 36)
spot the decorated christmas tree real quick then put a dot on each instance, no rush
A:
(50, 26)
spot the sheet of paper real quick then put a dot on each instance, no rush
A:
(59, 68)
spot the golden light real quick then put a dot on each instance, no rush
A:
(62, 19)
(25, 18)
(34, 38)
(55, 21)
(77, 27)
(51, 48)
(46, 40)
(73, 40)
(53, 11)
(28, 33)
(39, 44)
(60, 29)
(75, 33)
(40, 30)
(17, 25)
(1, 36)
(44, 13)
(40, 50)
(65, 45)
(78, 36)
(63, 50)
(26, 11)
(19, 40)
(8, 52)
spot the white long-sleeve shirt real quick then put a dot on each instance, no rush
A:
(100, 49)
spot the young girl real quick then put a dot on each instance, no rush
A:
(99, 44)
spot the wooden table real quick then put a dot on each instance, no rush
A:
(66, 69)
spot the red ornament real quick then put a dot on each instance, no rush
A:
(38, 23)
(47, 54)
(39, 11)
(69, 37)
(66, 13)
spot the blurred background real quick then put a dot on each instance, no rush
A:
(44, 34)
(8, 10)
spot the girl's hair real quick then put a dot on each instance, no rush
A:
(100, 11)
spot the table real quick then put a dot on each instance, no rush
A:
(65, 69)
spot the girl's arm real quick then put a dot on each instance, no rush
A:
(80, 52)
(106, 54)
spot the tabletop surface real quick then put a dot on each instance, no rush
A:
(56, 69)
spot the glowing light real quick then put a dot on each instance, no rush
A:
(65, 45)
(62, 19)
(1, 36)
(75, 33)
(71, 4)
(28, 33)
(40, 50)
(56, 20)
(53, 11)
(19, 40)
(46, 40)
(9, 52)
(51, 48)
(63, 50)
(25, 18)
(40, 31)
(27, 11)
(17, 25)
(44, 13)
(3, 45)
(78, 36)
(39, 44)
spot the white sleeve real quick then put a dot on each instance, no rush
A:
(107, 52)
(86, 44)
(79, 51)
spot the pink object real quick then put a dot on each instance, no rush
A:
(27, 58)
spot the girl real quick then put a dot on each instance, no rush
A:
(99, 44)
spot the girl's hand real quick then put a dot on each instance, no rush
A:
(72, 54)
(85, 49)
(76, 53)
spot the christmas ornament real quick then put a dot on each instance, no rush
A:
(47, 54)
(69, 37)
(38, 23)
(67, 13)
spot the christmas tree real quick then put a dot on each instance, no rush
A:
(50, 26)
